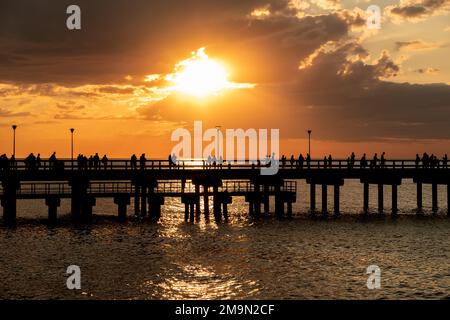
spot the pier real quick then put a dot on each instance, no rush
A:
(192, 180)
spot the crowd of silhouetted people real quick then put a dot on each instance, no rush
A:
(94, 162)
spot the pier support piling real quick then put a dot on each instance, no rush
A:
(324, 199)
(122, 202)
(52, 203)
(380, 198)
(336, 199)
(366, 198)
(312, 195)
(434, 197)
(394, 200)
(419, 195)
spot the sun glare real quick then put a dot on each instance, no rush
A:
(201, 76)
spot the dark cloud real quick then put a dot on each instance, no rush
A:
(419, 9)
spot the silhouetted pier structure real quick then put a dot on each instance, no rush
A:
(191, 180)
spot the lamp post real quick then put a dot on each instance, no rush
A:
(71, 144)
(309, 142)
(14, 127)
(217, 142)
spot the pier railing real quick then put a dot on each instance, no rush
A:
(198, 164)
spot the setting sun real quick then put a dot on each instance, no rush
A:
(201, 76)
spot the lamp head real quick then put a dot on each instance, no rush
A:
(14, 127)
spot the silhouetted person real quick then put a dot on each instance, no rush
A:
(325, 162)
(308, 160)
(374, 161)
(444, 162)
(300, 161)
(38, 161)
(96, 161)
(91, 162)
(425, 160)
(52, 160)
(142, 161)
(352, 160)
(292, 161)
(105, 161)
(133, 162)
(382, 160)
(363, 161)
(283, 160)
(417, 161)
(330, 161)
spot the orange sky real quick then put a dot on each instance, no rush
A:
(136, 72)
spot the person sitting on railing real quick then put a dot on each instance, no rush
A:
(363, 162)
(105, 161)
(133, 162)
(300, 161)
(444, 162)
(417, 161)
(142, 161)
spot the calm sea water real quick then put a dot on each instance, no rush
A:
(300, 258)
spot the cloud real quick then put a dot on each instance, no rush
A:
(417, 10)
(428, 70)
(416, 45)
(7, 113)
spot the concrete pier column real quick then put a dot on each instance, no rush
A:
(80, 201)
(225, 211)
(434, 197)
(206, 201)
(312, 195)
(197, 200)
(217, 203)
(394, 199)
(122, 202)
(251, 208)
(419, 195)
(324, 199)
(336, 199)
(86, 209)
(380, 198)
(257, 200)
(9, 200)
(266, 199)
(279, 206)
(289, 209)
(52, 203)
(191, 212)
(448, 199)
(186, 211)
(144, 201)
(366, 198)
(136, 199)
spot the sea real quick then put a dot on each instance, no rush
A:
(302, 257)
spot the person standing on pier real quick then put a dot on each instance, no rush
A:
(300, 161)
(444, 162)
(133, 162)
(142, 161)
(363, 162)
(52, 160)
(308, 160)
(330, 161)
(105, 161)
(417, 162)
(374, 163)
(382, 160)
